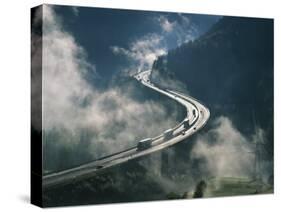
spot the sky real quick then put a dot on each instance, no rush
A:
(102, 31)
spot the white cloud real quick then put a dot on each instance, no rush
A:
(71, 105)
(182, 29)
(186, 30)
(36, 74)
(144, 51)
(75, 11)
(168, 82)
(165, 24)
(64, 63)
(186, 21)
(225, 151)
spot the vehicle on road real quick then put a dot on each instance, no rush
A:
(168, 134)
(194, 112)
(144, 144)
(186, 124)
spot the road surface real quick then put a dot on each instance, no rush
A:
(197, 116)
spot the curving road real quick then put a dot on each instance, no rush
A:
(197, 116)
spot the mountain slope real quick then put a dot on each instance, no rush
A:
(229, 68)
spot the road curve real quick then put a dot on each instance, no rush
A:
(197, 114)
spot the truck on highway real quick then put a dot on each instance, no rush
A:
(168, 134)
(186, 124)
(144, 144)
(194, 112)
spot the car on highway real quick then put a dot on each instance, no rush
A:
(144, 144)
(194, 112)
(168, 134)
(186, 124)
